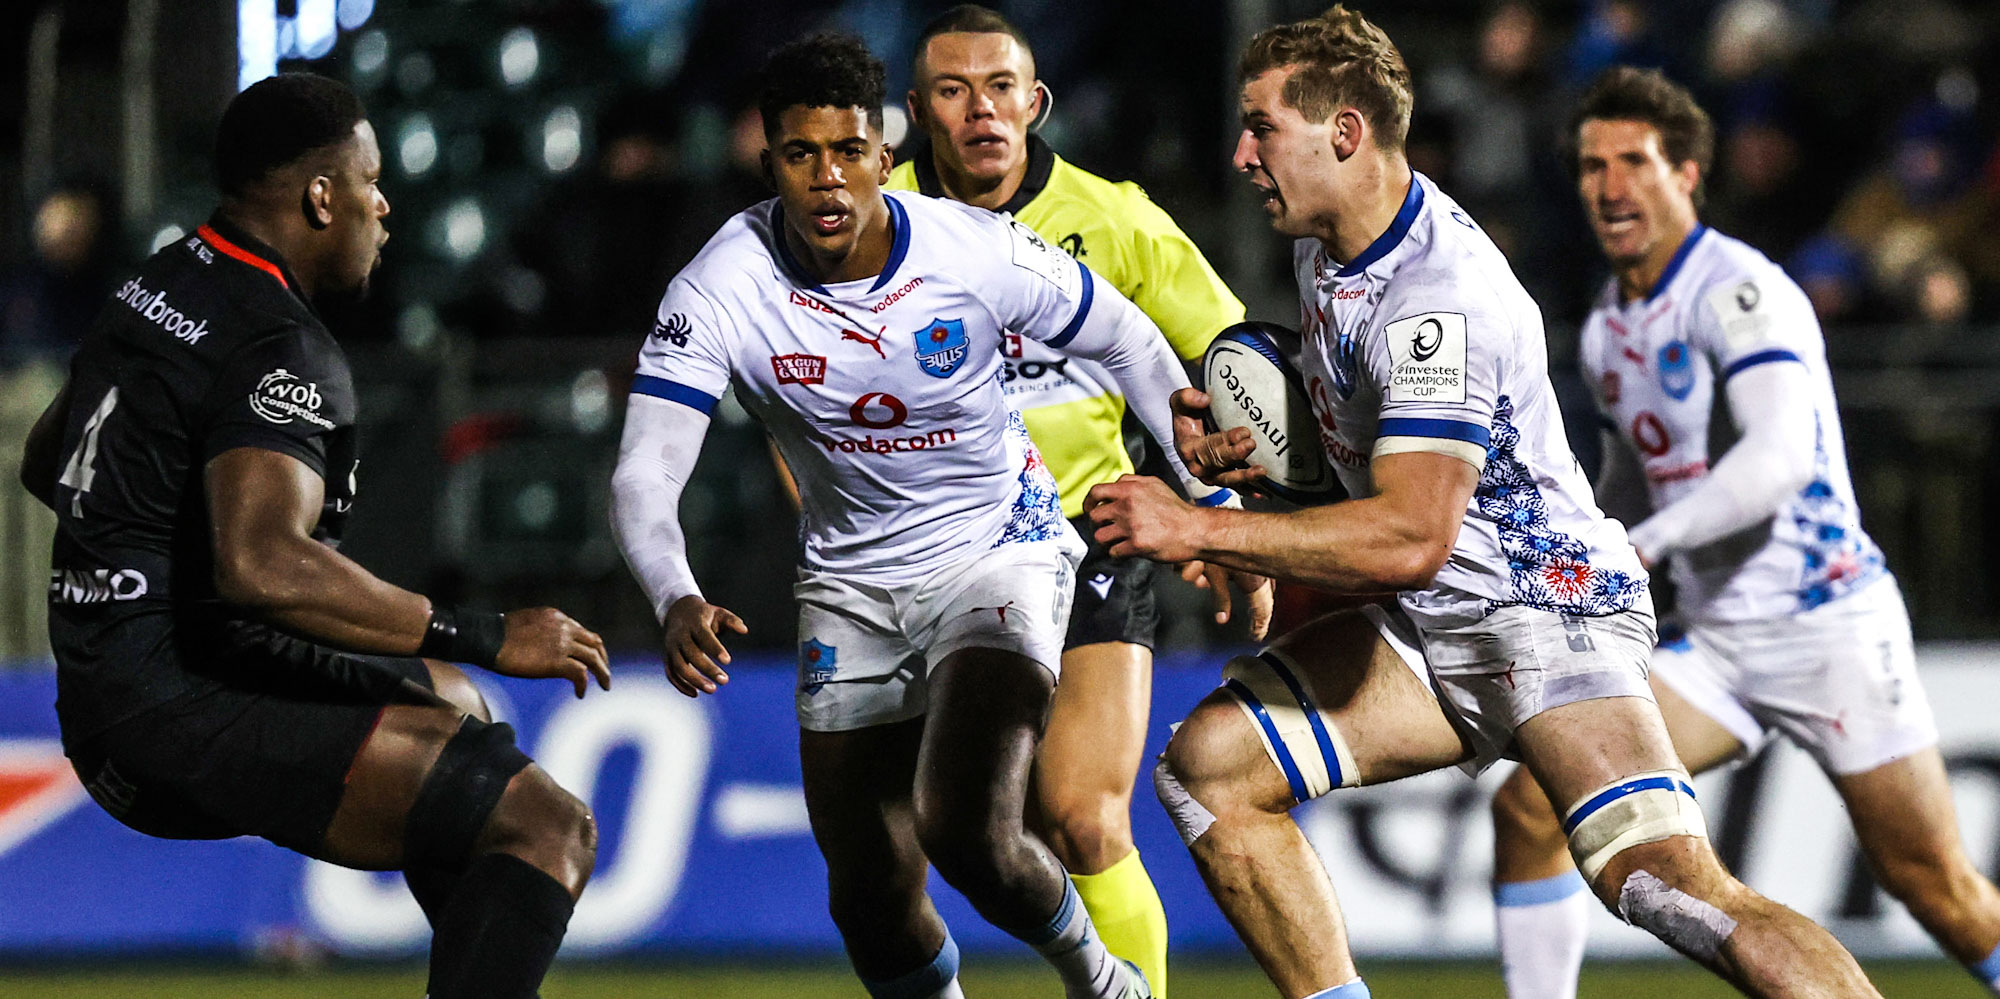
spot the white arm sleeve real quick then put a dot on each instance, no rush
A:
(1116, 334)
(1773, 409)
(662, 440)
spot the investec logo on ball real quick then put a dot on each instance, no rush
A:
(1427, 358)
(282, 397)
(153, 306)
(1265, 423)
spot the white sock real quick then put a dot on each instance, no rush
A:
(1069, 942)
(1543, 925)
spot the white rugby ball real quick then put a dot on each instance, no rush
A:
(1250, 383)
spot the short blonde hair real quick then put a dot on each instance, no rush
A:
(1343, 60)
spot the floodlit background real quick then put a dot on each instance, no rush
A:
(551, 163)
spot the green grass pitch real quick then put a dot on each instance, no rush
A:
(982, 980)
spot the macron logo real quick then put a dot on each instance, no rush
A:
(153, 305)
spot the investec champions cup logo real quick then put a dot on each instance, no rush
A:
(941, 347)
(282, 397)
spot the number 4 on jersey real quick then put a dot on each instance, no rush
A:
(79, 472)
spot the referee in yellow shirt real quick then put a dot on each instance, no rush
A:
(974, 93)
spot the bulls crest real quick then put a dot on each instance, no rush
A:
(941, 347)
(1676, 370)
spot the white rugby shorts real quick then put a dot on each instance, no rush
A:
(1839, 680)
(866, 651)
(1517, 662)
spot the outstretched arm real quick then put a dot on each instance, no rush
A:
(1396, 539)
(263, 506)
(1771, 461)
(655, 457)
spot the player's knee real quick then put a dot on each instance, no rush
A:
(963, 838)
(460, 795)
(1934, 884)
(549, 827)
(1640, 841)
(1088, 830)
(1263, 718)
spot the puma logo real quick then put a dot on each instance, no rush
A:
(874, 342)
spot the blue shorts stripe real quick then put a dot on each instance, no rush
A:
(1760, 357)
(1061, 340)
(1457, 430)
(672, 391)
(1285, 762)
(1615, 792)
(1312, 715)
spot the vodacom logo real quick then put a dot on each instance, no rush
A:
(878, 411)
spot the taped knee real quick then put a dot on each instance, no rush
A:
(1643, 808)
(1305, 745)
(460, 793)
(1679, 920)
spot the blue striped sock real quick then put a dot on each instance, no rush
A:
(924, 982)
(1988, 971)
(1509, 894)
(1356, 989)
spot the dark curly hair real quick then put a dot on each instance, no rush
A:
(828, 70)
(276, 122)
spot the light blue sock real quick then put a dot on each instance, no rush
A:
(1070, 943)
(1513, 894)
(933, 979)
(1356, 989)
(1988, 971)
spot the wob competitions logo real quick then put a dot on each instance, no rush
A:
(282, 397)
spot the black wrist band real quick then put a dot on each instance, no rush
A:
(473, 638)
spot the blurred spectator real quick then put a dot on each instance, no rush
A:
(46, 305)
(1833, 276)
(1923, 221)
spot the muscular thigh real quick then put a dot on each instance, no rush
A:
(1097, 723)
(228, 761)
(1361, 690)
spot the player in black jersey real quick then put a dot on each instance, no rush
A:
(222, 670)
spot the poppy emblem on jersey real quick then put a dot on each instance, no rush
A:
(816, 665)
(1676, 370)
(941, 347)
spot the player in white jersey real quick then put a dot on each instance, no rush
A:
(863, 329)
(1791, 620)
(1520, 625)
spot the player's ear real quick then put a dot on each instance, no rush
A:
(1348, 129)
(1688, 177)
(887, 155)
(764, 167)
(317, 202)
(916, 108)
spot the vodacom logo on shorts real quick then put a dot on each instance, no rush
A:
(882, 411)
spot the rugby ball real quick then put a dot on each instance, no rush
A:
(1251, 383)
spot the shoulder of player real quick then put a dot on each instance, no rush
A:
(1727, 273)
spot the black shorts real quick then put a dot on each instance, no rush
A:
(265, 753)
(1114, 597)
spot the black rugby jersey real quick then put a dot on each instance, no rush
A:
(209, 347)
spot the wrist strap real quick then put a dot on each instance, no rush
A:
(473, 638)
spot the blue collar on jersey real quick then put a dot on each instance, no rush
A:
(899, 247)
(1674, 265)
(1412, 203)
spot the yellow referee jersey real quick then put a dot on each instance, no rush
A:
(1071, 406)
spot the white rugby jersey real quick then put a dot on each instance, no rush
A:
(1426, 341)
(1658, 367)
(884, 393)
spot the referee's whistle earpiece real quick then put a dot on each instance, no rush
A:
(1048, 102)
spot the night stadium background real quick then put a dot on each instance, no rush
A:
(550, 163)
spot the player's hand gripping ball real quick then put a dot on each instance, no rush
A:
(1251, 384)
